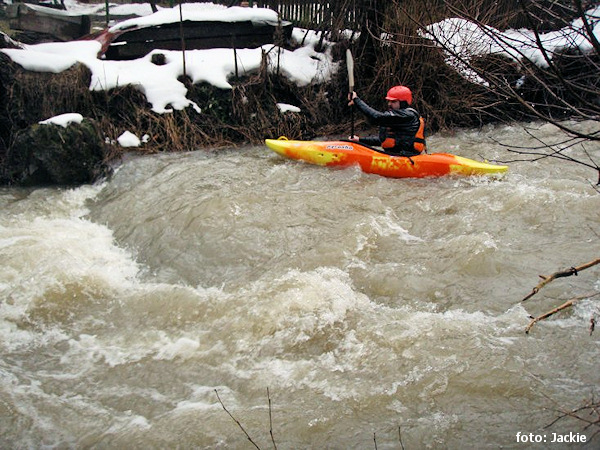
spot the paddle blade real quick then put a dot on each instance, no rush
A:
(350, 66)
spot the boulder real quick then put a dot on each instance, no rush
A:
(50, 154)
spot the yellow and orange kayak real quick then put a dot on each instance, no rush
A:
(347, 153)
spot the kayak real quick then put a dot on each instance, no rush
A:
(370, 160)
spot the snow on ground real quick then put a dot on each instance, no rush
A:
(159, 83)
(200, 12)
(63, 120)
(463, 40)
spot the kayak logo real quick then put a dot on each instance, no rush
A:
(339, 147)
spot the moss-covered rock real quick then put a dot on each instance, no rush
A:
(56, 155)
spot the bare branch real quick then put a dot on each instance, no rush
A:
(588, 413)
(565, 305)
(560, 274)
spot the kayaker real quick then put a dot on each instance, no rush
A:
(401, 128)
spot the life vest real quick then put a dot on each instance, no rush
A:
(419, 144)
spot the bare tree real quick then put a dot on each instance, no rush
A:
(548, 72)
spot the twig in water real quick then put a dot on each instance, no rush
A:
(565, 305)
(236, 421)
(271, 421)
(400, 437)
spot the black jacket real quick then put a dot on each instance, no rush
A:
(401, 125)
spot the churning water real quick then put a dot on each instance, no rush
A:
(376, 312)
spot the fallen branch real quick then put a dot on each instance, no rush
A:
(565, 305)
(560, 274)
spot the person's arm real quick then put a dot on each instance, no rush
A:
(371, 113)
(369, 140)
(354, 99)
(384, 118)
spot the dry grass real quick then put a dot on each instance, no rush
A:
(247, 113)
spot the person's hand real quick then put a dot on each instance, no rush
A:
(351, 96)
(354, 138)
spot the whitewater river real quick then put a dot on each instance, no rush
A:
(348, 310)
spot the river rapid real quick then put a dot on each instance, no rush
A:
(339, 309)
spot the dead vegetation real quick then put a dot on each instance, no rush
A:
(389, 48)
(245, 114)
(587, 413)
(548, 82)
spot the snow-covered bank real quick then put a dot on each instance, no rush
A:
(160, 84)
(463, 40)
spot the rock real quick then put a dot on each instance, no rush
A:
(158, 59)
(56, 155)
(7, 70)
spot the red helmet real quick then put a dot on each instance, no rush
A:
(401, 93)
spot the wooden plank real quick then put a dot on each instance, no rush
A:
(308, 13)
(136, 50)
(198, 35)
(60, 24)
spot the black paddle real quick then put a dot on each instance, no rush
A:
(350, 66)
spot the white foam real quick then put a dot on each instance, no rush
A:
(181, 348)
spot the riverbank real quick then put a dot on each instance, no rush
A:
(211, 98)
(257, 106)
(217, 98)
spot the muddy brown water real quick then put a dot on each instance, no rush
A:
(377, 312)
